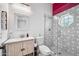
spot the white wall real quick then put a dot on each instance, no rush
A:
(12, 24)
(37, 18)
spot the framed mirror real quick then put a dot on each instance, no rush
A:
(21, 22)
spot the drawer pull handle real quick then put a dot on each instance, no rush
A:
(22, 49)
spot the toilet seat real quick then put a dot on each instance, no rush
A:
(44, 50)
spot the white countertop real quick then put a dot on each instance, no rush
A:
(18, 39)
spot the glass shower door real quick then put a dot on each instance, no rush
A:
(66, 34)
(62, 32)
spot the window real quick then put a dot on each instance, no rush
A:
(66, 20)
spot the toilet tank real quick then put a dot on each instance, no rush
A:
(40, 40)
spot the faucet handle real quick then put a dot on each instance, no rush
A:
(59, 53)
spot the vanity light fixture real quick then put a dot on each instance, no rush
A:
(21, 8)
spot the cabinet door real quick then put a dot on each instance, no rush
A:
(14, 49)
(24, 48)
(30, 47)
(17, 50)
(10, 50)
(66, 39)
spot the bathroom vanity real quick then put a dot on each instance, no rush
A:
(19, 47)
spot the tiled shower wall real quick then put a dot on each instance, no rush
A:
(63, 40)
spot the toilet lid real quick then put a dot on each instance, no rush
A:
(44, 49)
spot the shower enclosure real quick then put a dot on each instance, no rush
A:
(62, 32)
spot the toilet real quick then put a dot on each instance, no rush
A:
(44, 50)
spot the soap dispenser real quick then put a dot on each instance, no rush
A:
(27, 35)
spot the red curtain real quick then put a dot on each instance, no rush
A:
(60, 7)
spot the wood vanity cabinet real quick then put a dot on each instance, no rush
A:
(20, 48)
